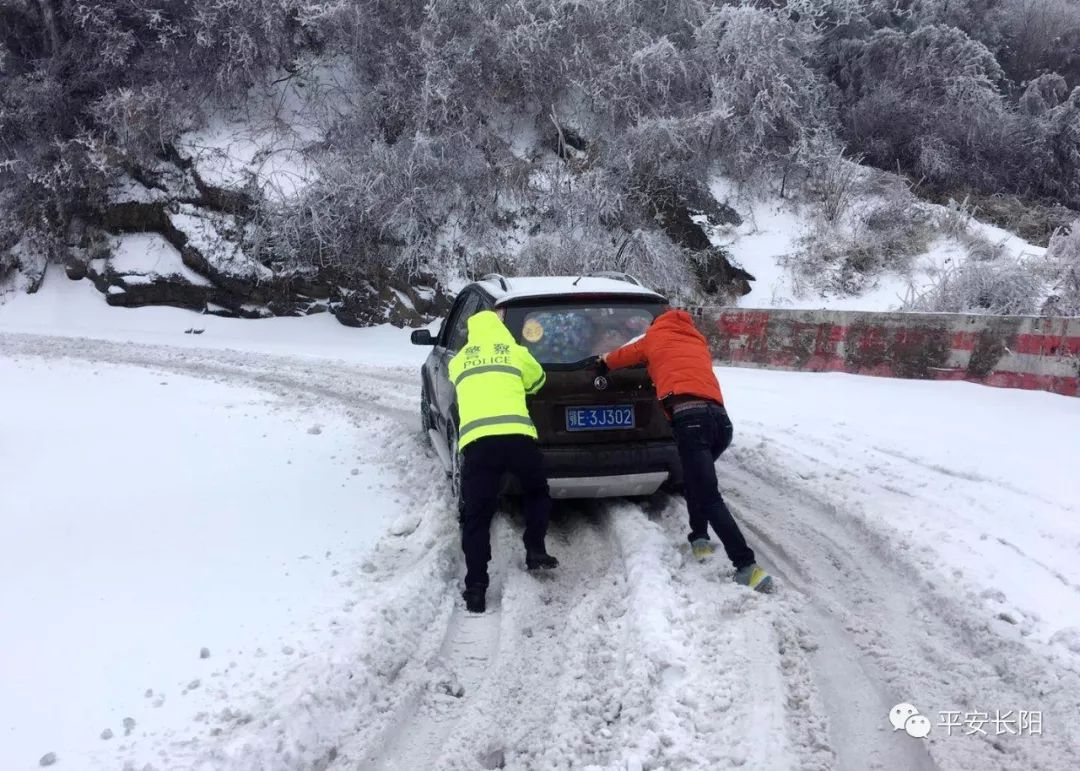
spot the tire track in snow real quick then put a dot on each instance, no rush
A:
(886, 635)
(346, 386)
(554, 700)
(523, 666)
(525, 707)
(853, 699)
(629, 656)
(967, 476)
(459, 668)
(751, 648)
(830, 457)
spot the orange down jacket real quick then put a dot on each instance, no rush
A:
(676, 355)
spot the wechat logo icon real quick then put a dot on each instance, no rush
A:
(906, 716)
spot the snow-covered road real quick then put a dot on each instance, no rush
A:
(926, 536)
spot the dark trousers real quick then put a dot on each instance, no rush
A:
(484, 462)
(702, 434)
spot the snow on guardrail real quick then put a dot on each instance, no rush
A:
(1006, 351)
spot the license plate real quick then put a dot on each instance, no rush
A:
(606, 418)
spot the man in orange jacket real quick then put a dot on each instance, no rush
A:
(680, 365)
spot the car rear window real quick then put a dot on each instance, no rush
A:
(567, 333)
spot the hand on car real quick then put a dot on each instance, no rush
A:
(599, 363)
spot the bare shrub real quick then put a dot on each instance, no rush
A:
(957, 217)
(139, 121)
(1063, 266)
(382, 210)
(1002, 287)
(958, 221)
(848, 254)
(835, 182)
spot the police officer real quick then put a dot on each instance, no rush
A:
(492, 376)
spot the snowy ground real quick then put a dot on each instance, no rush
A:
(149, 515)
(925, 534)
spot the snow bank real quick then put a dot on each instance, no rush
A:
(76, 308)
(205, 233)
(146, 256)
(975, 484)
(148, 516)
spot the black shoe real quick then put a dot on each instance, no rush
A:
(475, 599)
(540, 560)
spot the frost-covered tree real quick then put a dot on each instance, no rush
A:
(971, 16)
(1046, 150)
(1043, 94)
(85, 81)
(926, 101)
(1063, 135)
(471, 130)
(822, 14)
(760, 79)
(1034, 37)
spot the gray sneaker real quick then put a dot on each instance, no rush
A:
(702, 549)
(756, 578)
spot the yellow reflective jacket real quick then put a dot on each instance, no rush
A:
(492, 375)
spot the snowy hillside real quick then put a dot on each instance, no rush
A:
(262, 491)
(776, 243)
(355, 157)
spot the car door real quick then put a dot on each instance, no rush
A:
(452, 338)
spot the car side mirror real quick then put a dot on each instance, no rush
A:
(422, 337)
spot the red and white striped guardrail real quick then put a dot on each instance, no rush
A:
(1007, 351)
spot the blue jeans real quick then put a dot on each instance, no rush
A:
(702, 434)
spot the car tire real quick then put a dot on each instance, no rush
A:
(425, 410)
(455, 475)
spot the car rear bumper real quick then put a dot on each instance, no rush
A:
(588, 471)
(607, 487)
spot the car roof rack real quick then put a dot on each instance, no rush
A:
(617, 275)
(500, 278)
